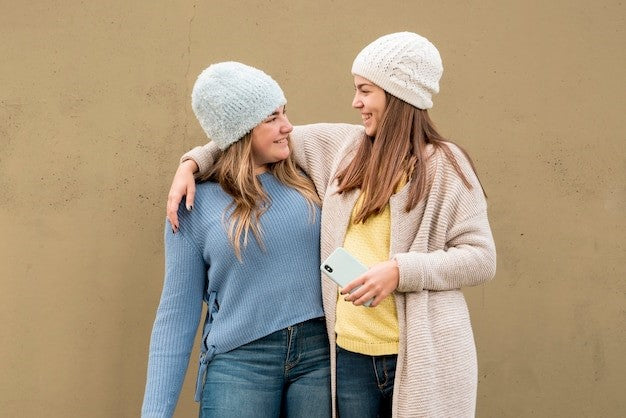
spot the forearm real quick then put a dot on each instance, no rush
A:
(468, 260)
(318, 149)
(175, 326)
(203, 156)
(170, 349)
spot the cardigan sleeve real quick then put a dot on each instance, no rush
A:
(468, 260)
(319, 149)
(175, 326)
(204, 156)
(454, 246)
(315, 148)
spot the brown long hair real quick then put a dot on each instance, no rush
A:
(398, 149)
(234, 171)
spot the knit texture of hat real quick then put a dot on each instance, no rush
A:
(404, 64)
(231, 98)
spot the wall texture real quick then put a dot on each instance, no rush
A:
(94, 112)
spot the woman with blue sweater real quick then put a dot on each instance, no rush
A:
(250, 251)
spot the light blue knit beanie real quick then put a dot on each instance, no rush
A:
(231, 98)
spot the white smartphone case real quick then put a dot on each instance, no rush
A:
(341, 267)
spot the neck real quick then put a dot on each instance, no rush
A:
(260, 169)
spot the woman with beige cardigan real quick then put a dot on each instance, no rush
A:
(407, 203)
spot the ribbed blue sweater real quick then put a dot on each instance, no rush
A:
(275, 286)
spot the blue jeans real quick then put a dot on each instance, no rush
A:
(285, 374)
(364, 384)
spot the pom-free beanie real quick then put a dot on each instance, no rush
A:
(404, 64)
(231, 98)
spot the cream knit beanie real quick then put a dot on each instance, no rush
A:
(231, 98)
(404, 64)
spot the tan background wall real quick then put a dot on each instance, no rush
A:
(94, 112)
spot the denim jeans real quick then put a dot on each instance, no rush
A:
(364, 384)
(285, 374)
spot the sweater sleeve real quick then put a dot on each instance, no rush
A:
(468, 260)
(204, 156)
(460, 250)
(316, 150)
(175, 326)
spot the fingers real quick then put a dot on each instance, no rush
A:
(183, 184)
(172, 211)
(360, 290)
(374, 285)
(191, 195)
(350, 287)
(366, 293)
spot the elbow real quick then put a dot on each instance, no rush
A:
(483, 265)
(491, 270)
(489, 265)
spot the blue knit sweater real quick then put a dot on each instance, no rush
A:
(274, 287)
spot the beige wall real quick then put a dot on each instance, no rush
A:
(94, 112)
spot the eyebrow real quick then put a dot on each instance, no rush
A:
(276, 111)
(359, 86)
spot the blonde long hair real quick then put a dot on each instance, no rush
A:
(234, 171)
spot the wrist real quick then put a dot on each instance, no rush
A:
(189, 165)
(394, 264)
(396, 270)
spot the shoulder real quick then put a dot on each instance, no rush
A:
(208, 195)
(207, 187)
(449, 164)
(451, 178)
(208, 191)
(448, 155)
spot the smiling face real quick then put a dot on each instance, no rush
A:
(269, 139)
(371, 101)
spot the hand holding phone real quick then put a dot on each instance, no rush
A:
(341, 267)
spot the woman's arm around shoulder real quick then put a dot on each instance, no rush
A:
(203, 156)
(318, 149)
(193, 163)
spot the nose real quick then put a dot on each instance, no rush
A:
(286, 127)
(356, 102)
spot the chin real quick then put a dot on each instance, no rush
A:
(281, 157)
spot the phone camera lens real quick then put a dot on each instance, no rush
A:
(328, 268)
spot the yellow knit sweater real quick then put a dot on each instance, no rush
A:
(370, 331)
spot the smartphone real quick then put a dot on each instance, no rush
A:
(341, 267)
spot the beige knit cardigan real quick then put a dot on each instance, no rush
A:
(441, 245)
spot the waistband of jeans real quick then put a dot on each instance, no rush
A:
(312, 321)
